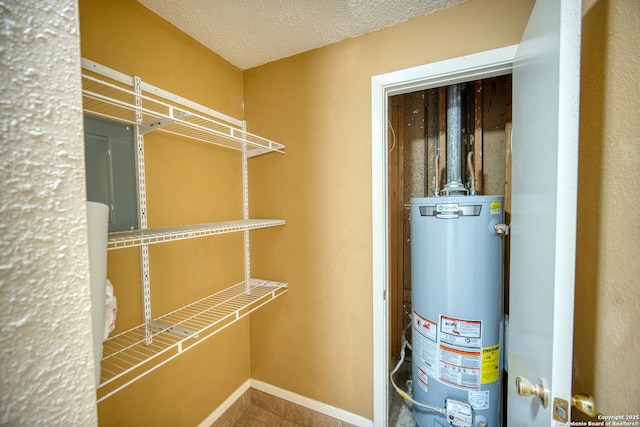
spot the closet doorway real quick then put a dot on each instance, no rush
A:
(546, 87)
(483, 65)
(417, 136)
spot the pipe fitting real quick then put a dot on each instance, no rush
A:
(501, 229)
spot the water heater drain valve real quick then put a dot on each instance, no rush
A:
(458, 413)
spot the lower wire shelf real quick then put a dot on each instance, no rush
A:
(130, 355)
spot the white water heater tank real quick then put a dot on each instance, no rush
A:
(457, 308)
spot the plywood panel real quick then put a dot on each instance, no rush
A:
(395, 221)
(478, 138)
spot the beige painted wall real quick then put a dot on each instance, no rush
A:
(187, 183)
(318, 340)
(130, 38)
(606, 340)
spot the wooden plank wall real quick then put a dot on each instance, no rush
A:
(396, 252)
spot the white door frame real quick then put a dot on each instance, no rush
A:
(457, 70)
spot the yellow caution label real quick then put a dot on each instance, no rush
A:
(490, 364)
(496, 208)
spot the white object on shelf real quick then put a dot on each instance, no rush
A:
(128, 358)
(110, 311)
(97, 226)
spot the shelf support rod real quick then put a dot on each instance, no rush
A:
(142, 210)
(245, 214)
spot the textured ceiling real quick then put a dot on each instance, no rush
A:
(248, 33)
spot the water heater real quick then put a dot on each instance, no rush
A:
(457, 310)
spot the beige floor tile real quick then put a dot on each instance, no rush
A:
(246, 399)
(246, 421)
(321, 420)
(262, 415)
(231, 415)
(298, 414)
(268, 402)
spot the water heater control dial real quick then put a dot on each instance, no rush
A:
(458, 413)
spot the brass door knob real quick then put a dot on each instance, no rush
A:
(584, 403)
(524, 387)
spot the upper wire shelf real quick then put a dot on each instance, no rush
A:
(128, 239)
(110, 94)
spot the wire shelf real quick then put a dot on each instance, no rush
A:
(128, 239)
(117, 100)
(132, 354)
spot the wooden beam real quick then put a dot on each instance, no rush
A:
(395, 222)
(399, 243)
(442, 135)
(507, 192)
(431, 135)
(477, 138)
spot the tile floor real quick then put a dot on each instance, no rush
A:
(258, 409)
(255, 416)
(400, 415)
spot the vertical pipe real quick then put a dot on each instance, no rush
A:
(454, 137)
(454, 184)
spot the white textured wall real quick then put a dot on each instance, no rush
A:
(46, 362)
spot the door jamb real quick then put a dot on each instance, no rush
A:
(477, 66)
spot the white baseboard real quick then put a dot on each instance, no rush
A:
(314, 405)
(226, 404)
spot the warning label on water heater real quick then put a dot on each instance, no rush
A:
(490, 364)
(461, 332)
(460, 368)
(425, 345)
(450, 351)
(460, 352)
